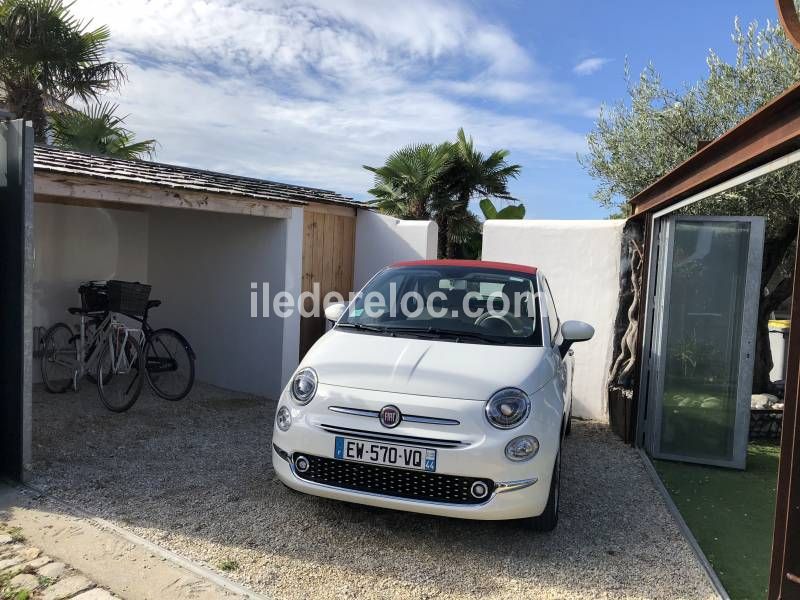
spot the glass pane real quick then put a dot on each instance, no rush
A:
(704, 320)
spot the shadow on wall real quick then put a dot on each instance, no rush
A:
(73, 244)
(581, 260)
(383, 240)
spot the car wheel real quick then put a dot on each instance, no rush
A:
(548, 520)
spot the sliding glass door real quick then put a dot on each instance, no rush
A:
(702, 346)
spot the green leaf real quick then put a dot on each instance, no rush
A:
(488, 209)
(515, 211)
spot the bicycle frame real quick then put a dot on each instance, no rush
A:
(89, 348)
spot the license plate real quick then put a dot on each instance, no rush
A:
(379, 453)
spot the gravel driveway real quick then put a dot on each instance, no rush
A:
(196, 477)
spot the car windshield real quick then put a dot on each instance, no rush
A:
(456, 303)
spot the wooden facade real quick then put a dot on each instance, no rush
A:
(329, 234)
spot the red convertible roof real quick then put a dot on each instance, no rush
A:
(481, 264)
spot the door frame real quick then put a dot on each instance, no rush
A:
(664, 229)
(16, 240)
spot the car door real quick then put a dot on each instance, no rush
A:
(563, 365)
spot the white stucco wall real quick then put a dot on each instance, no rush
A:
(382, 240)
(74, 244)
(201, 266)
(581, 261)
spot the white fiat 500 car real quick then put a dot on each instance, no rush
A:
(443, 388)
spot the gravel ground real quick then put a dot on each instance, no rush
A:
(196, 477)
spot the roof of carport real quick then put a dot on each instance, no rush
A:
(57, 160)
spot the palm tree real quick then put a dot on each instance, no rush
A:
(98, 131)
(408, 184)
(426, 181)
(470, 175)
(47, 55)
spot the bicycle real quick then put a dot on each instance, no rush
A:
(112, 349)
(169, 359)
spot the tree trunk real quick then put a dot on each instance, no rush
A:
(441, 251)
(775, 249)
(28, 103)
(461, 206)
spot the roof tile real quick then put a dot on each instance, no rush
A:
(57, 160)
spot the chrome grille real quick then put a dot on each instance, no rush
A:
(393, 438)
(388, 481)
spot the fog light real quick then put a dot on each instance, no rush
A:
(522, 448)
(479, 490)
(301, 464)
(283, 419)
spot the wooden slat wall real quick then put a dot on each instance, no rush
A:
(328, 254)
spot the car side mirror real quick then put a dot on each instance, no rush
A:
(334, 312)
(574, 331)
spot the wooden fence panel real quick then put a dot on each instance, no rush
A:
(328, 254)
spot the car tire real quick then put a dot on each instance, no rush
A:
(548, 520)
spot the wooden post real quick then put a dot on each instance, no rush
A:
(784, 581)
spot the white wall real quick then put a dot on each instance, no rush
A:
(581, 261)
(201, 266)
(293, 269)
(73, 244)
(382, 240)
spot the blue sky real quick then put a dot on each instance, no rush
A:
(307, 92)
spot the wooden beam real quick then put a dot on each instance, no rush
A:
(63, 187)
(331, 209)
(767, 134)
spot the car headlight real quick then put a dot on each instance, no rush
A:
(304, 386)
(522, 448)
(283, 419)
(508, 408)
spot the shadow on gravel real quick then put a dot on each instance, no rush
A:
(196, 477)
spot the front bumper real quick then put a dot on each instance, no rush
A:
(518, 490)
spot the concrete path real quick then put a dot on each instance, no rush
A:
(80, 556)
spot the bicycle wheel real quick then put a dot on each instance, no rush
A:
(119, 381)
(59, 358)
(170, 364)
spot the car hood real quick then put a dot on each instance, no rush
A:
(426, 367)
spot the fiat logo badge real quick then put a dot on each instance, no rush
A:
(390, 416)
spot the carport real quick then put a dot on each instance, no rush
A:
(201, 239)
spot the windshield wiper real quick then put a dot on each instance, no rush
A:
(458, 335)
(362, 327)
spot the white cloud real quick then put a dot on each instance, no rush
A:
(589, 66)
(308, 92)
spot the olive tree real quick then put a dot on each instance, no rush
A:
(637, 140)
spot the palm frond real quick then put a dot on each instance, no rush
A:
(99, 130)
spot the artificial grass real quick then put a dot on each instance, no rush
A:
(731, 514)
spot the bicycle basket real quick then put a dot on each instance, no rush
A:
(94, 296)
(127, 297)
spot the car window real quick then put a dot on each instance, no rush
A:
(467, 304)
(552, 314)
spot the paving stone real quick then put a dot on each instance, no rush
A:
(25, 581)
(5, 539)
(95, 594)
(39, 562)
(10, 562)
(10, 550)
(29, 553)
(52, 570)
(67, 588)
